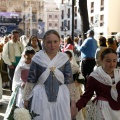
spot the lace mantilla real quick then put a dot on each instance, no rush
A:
(27, 90)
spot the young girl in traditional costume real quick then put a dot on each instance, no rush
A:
(105, 82)
(19, 80)
(78, 90)
(21, 74)
(50, 82)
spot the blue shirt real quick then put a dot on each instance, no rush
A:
(118, 53)
(88, 48)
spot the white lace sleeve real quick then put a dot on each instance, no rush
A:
(27, 90)
(72, 89)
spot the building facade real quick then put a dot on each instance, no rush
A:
(51, 16)
(104, 17)
(31, 11)
(66, 18)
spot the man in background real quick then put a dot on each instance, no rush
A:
(88, 49)
(11, 54)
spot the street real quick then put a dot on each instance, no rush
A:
(4, 101)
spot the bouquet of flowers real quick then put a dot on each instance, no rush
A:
(21, 114)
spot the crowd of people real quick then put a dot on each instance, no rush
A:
(44, 76)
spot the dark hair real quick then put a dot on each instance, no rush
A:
(14, 31)
(69, 40)
(107, 51)
(29, 52)
(29, 43)
(80, 35)
(51, 32)
(110, 40)
(102, 41)
(69, 53)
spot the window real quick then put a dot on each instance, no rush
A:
(101, 20)
(50, 24)
(62, 26)
(34, 17)
(68, 12)
(102, 5)
(75, 24)
(75, 9)
(62, 16)
(50, 16)
(56, 16)
(92, 7)
(62, 36)
(101, 34)
(56, 24)
(113, 34)
(68, 25)
(92, 19)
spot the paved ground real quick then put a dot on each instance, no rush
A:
(5, 100)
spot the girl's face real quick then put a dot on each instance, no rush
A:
(28, 58)
(109, 62)
(51, 44)
(34, 41)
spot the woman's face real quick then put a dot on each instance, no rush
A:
(34, 41)
(109, 62)
(51, 44)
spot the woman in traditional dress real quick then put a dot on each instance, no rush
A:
(50, 82)
(105, 82)
(35, 43)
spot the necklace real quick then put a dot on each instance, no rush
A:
(107, 72)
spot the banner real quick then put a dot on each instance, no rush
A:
(7, 29)
(8, 22)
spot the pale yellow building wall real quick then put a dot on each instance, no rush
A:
(113, 16)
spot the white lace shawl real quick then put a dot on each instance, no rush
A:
(59, 60)
(105, 79)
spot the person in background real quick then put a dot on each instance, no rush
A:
(75, 68)
(118, 49)
(50, 82)
(19, 80)
(35, 43)
(24, 40)
(80, 40)
(9, 36)
(1, 92)
(68, 44)
(76, 52)
(102, 46)
(88, 49)
(105, 83)
(11, 54)
(78, 90)
(3, 67)
(21, 73)
(3, 77)
(112, 44)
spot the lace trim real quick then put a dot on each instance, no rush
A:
(27, 90)
(71, 88)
